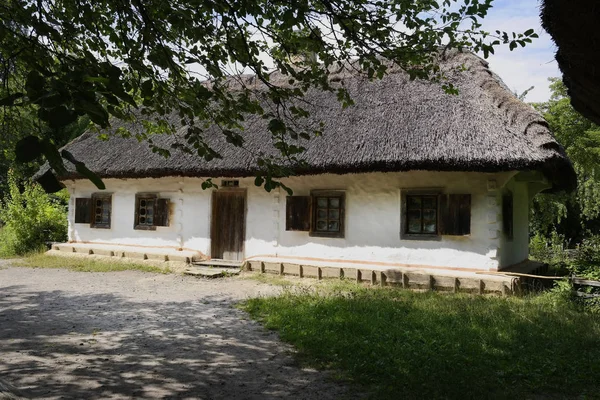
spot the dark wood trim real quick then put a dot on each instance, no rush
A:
(105, 197)
(136, 221)
(328, 193)
(404, 235)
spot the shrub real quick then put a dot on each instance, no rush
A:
(31, 218)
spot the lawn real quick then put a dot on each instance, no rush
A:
(399, 344)
(84, 264)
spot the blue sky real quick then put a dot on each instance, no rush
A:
(528, 66)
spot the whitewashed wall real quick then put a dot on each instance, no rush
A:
(372, 225)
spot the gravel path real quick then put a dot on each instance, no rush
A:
(129, 334)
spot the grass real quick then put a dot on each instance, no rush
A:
(85, 264)
(403, 344)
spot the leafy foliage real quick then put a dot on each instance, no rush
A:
(574, 215)
(31, 218)
(146, 60)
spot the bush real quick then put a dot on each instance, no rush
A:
(31, 218)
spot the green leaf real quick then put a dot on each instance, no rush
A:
(28, 149)
(10, 99)
(83, 170)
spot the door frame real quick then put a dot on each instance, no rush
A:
(213, 215)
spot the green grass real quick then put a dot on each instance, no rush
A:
(399, 344)
(85, 264)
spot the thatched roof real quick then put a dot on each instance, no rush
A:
(573, 26)
(395, 125)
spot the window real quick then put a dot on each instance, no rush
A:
(428, 214)
(150, 212)
(328, 214)
(83, 210)
(321, 214)
(101, 210)
(507, 215)
(421, 214)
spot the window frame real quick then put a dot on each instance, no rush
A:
(404, 234)
(341, 233)
(104, 197)
(136, 223)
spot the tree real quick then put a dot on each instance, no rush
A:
(573, 215)
(153, 58)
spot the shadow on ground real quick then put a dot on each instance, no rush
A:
(59, 344)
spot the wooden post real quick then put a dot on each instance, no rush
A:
(456, 285)
(319, 273)
(262, 267)
(300, 271)
(382, 279)
(404, 281)
(504, 289)
(341, 273)
(358, 276)
(431, 282)
(280, 268)
(373, 278)
(481, 286)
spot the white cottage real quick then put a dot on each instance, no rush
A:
(408, 176)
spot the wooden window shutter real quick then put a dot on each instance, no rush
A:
(455, 214)
(161, 216)
(83, 210)
(507, 215)
(297, 213)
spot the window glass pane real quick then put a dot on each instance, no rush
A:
(321, 213)
(321, 225)
(414, 221)
(142, 211)
(98, 203)
(429, 202)
(334, 214)
(429, 221)
(413, 202)
(149, 220)
(334, 202)
(322, 202)
(333, 226)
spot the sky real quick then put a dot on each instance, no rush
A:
(524, 67)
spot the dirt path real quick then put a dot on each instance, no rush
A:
(128, 334)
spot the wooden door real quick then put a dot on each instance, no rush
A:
(228, 225)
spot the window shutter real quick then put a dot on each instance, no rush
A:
(161, 216)
(507, 215)
(455, 214)
(297, 213)
(83, 210)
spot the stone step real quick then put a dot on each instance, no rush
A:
(210, 272)
(219, 263)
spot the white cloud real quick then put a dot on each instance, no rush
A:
(528, 66)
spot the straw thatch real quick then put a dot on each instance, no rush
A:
(395, 125)
(572, 25)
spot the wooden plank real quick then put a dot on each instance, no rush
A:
(281, 268)
(358, 276)
(405, 281)
(431, 282)
(297, 213)
(585, 282)
(464, 214)
(228, 224)
(319, 273)
(262, 267)
(382, 279)
(373, 278)
(481, 286)
(300, 271)
(456, 285)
